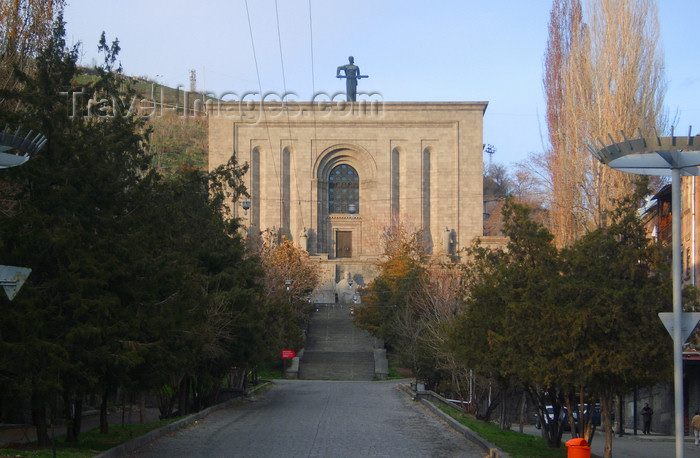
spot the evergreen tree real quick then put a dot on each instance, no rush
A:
(574, 327)
(73, 199)
(614, 284)
(504, 332)
(129, 270)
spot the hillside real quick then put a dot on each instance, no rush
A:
(176, 140)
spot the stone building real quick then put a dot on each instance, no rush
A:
(332, 176)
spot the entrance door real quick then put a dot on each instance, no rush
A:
(343, 244)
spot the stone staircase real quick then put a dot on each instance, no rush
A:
(335, 348)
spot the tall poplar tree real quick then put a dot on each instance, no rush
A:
(604, 73)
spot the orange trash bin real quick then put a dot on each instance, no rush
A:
(578, 448)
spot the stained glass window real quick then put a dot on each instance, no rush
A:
(343, 189)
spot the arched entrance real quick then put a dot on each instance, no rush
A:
(344, 174)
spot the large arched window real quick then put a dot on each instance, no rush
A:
(343, 189)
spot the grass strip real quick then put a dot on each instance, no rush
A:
(515, 444)
(90, 443)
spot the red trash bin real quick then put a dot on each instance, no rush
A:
(578, 448)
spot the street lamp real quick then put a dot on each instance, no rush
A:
(246, 205)
(673, 156)
(352, 209)
(12, 278)
(27, 145)
(287, 284)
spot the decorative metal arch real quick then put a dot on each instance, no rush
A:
(27, 145)
(650, 155)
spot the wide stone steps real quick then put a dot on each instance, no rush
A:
(319, 365)
(335, 348)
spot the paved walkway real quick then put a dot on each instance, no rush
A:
(319, 418)
(631, 446)
(627, 446)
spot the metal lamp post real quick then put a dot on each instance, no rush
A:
(287, 285)
(674, 156)
(12, 278)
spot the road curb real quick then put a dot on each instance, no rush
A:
(134, 444)
(492, 450)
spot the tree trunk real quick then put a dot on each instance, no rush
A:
(39, 420)
(73, 406)
(182, 399)
(123, 408)
(523, 403)
(197, 394)
(104, 424)
(166, 399)
(69, 414)
(620, 416)
(605, 413)
(142, 408)
(78, 420)
(502, 423)
(575, 425)
(551, 430)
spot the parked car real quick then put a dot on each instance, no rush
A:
(596, 413)
(550, 418)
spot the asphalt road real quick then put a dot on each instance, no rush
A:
(319, 419)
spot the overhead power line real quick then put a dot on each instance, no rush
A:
(257, 72)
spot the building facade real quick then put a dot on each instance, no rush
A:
(658, 220)
(332, 177)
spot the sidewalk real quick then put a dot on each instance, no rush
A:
(629, 445)
(21, 434)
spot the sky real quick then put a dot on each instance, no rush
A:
(439, 50)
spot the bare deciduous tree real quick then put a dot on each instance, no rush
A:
(602, 75)
(25, 26)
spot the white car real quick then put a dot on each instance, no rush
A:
(550, 417)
